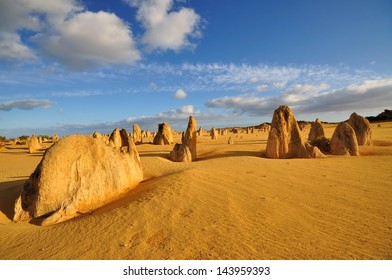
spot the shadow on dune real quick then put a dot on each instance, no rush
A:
(9, 192)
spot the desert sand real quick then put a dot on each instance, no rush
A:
(231, 203)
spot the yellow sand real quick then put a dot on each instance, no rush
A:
(230, 204)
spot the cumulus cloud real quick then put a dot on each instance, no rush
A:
(166, 29)
(32, 15)
(25, 104)
(65, 31)
(11, 47)
(180, 94)
(370, 94)
(90, 39)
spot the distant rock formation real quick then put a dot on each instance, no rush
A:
(164, 135)
(77, 175)
(362, 129)
(230, 141)
(33, 144)
(55, 138)
(200, 131)
(344, 141)
(384, 116)
(316, 131)
(137, 134)
(284, 139)
(214, 134)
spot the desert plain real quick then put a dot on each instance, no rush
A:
(231, 203)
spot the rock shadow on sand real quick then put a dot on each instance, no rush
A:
(9, 192)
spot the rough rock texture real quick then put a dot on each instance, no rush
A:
(77, 175)
(124, 138)
(284, 139)
(33, 144)
(186, 152)
(214, 134)
(137, 134)
(115, 139)
(316, 131)
(230, 141)
(190, 137)
(164, 135)
(362, 129)
(344, 141)
(181, 153)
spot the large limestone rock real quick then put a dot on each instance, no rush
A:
(164, 135)
(33, 144)
(137, 134)
(316, 131)
(186, 152)
(77, 175)
(344, 141)
(190, 137)
(362, 129)
(284, 139)
(181, 153)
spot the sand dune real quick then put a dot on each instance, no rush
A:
(232, 203)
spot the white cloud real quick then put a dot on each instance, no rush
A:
(16, 15)
(300, 92)
(90, 39)
(63, 30)
(370, 94)
(11, 47)
(166, 29)
(262, 88)
(180, 94)
(25, 104)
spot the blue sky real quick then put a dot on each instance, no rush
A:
(80, 66)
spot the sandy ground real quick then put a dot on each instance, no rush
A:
(230, 204)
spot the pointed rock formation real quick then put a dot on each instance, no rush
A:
(124, 138)
(316, 131)
(77, 175)
(230, 141)
(344, 141)
(190, 137)
(362, 129)
(180, 151)
(164, 135)
(200, 131)
(284, 139)
(137, 134)
(115, 139)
